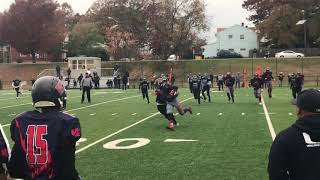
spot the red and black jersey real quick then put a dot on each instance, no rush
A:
(3, 152)
(44, 146)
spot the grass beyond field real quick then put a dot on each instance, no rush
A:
(232, 140)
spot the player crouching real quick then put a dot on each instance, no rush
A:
(257, 83)
(45, 138)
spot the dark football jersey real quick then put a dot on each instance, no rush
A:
(16, 82)
(229, 81)
(267, 76)
(196, 83)
(256, 83)
(144, 85)
(44, 146)
(161, 94)
(3, 150)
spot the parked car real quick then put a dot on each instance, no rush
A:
(289, 54)
(228, 54)
(172, 58)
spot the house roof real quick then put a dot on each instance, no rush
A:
(223, 29)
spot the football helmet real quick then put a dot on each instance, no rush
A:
(48, 91)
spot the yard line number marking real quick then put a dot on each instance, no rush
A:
(121, 130)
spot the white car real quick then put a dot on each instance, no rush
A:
(172, 58)
(289, 54)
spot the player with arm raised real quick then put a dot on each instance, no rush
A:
(16, 84)
(45, 138)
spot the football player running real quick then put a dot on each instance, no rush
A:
(16, 84)
(196, 88)
(45, 138)
(268, 78)
(206, 83)
(229, 81)
(257, 83)
(172, 102)
(144, 86)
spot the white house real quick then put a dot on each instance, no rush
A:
(237, 38)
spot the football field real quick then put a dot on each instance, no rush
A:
(123, 137)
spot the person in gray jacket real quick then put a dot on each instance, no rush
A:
(86, 85)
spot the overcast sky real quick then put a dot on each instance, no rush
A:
(221, 13)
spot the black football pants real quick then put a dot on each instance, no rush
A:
(86, 90)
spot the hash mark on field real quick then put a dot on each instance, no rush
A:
(179, 140)
(10, 115)
(198, 114)
(92, 114)
(176, 114)
(114, 114)
(134, 114)
(220, 114)
(269, 113)
(243, 114)
(290, 114)
(121, 130)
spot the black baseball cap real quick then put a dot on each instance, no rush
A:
(309, 100)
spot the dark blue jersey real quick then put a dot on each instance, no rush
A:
(267, 76)
(256, 82)
(144, 85)
(229, 81)
(44, 146)
(16, 82)
(3, 152)
(196, 83)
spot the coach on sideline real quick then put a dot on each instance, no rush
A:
(295, 153)
(86, 85)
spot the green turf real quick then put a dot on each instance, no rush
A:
(231, 145)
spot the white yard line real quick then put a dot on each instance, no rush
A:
(120, 131)
(98, 104)
(271, 129)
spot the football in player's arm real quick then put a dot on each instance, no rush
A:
(45, 138)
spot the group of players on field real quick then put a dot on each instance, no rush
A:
(200, 85)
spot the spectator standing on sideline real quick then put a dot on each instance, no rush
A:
(280, 77)
(86, 85)
(211, 79)
(220, 82)
(238, 80)
(295, 152)
(58, 70)
(69, 73)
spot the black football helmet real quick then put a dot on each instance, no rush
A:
(48, 91)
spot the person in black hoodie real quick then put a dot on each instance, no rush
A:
(295, 152)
